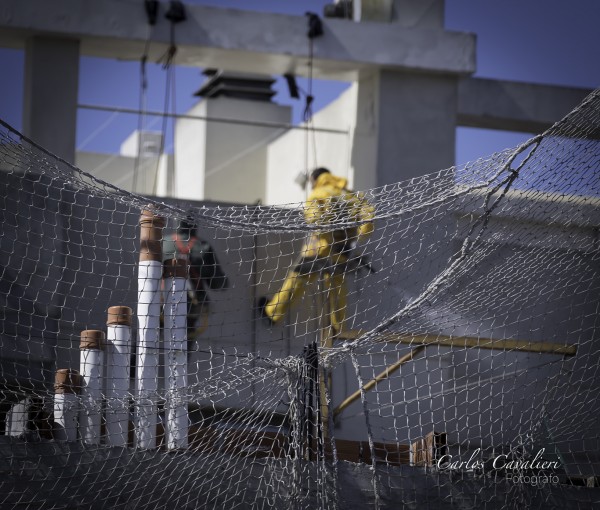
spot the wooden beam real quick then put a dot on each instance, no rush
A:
(380, 377)
(468, 342)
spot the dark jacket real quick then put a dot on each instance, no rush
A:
(205, 271)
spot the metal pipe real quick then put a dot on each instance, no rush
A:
(66, 404)
(175, 342)
(91, 366)
(505, 344)
(118, 347)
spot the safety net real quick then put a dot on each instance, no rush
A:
(432, 343)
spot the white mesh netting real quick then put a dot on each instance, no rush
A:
(447, 359)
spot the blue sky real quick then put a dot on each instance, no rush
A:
(541, 41)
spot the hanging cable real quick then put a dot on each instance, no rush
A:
(315, 29)
(175, 14)
(151, 8)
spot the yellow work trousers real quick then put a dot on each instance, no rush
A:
(318, 258)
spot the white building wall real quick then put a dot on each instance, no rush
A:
(224, 161)
(293, 152)
(190, 150)
(239, 163)
(150, 144)
(118, 170)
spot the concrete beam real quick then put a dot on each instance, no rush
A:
(513, 106)
(239, 40)
(464, 342)
(405, 127)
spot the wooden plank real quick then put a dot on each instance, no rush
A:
(380, 377)
(346, 450)
(467, 342)
(239, 442)
(392, 454)
(269, 444)
(583, 481)
(427, 450)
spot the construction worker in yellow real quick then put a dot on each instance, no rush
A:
(329, 250)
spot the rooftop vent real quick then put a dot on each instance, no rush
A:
(254, 87)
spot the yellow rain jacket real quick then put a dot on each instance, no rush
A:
(329, 204)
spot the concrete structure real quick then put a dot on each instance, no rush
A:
(408, 71)
(296, 150)
(411, 89)
(50, 99)
(221, 161)
(150, 142)
(154, 171)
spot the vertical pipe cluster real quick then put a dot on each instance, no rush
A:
(73, 412)
(150, 271)
(79, 395)
(118, 350)
(66, 404)
(91, 366)
(175, 343)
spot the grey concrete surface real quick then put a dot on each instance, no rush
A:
(226, 38)
(50, 96)
(55, 476)
(514, 106)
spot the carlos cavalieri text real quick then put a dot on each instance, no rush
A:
(446, 462)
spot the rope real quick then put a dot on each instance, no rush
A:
(151, 12)
(315, 29)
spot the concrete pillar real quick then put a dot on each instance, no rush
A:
(50, 99)
(408, 13)
(418, 13)
(405, 126)
(118, 349)
(67, 385)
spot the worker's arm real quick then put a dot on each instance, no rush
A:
(318, 207)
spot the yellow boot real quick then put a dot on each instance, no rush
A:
(293, 286)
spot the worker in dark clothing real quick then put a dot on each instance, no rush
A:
(204, 271)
